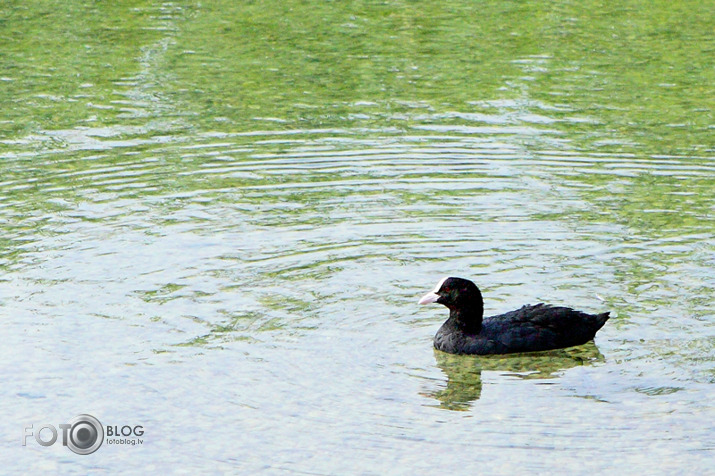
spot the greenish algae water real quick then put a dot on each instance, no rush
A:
(217, 217)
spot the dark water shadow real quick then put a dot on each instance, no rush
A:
(464, 372)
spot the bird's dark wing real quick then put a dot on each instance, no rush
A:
(542, 327)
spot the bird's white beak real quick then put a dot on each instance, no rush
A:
(432, 296)
(429, 298)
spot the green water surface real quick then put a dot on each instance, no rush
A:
(216, 219)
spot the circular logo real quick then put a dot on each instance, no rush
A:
(86, 434)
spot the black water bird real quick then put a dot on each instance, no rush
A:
(529, 329)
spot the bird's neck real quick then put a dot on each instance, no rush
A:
(468, 319)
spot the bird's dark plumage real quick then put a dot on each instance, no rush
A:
(529, 329)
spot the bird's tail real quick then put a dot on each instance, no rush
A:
(600, 319)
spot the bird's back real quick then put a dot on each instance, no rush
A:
(528, 329)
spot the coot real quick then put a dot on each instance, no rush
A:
(529, 329)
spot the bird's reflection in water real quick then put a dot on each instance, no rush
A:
(464, 372)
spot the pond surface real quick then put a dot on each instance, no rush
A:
(216, 220)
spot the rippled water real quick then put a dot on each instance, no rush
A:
(217, 220)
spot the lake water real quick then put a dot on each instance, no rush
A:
(217, 218)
